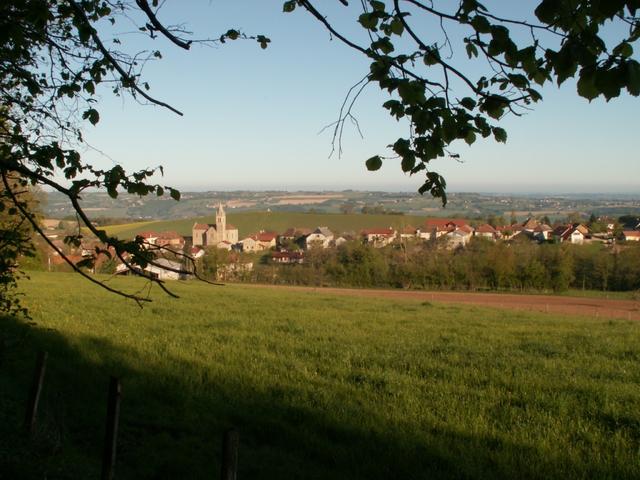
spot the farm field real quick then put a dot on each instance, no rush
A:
(252, 222)
(320, 386)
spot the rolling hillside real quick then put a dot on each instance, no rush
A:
(250, 222)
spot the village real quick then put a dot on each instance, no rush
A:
(292, 245)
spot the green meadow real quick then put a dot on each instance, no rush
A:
(252, 222)
(319, 386)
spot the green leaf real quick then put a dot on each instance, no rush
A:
(377, 5)
(92, 115)
(586, 85)
(412, 92)
(472, 51)
(624, 50)
(633, 78)
(468, 103)
(175, 194)
(289, 6)
(263, 41)
(395, 108)
(408, 162)
(470, 137)
(500, 134)
(368, 21)
(384, 45)
(480, 24)
(396, 26)
(374, 163)
(432, 57)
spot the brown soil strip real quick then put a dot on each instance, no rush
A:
(587, 307)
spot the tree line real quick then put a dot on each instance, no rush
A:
(482, 265)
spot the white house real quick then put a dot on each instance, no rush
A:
(486, 231)
(320, 237)
(459, 237)
(379, 237)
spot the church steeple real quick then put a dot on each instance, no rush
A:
(221, 219)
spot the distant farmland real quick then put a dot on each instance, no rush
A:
(320, 386)
(250, 222)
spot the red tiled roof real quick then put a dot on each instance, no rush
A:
(231, 227)
(266, 236)
(631, 233)
(444, 223)
(530, 223)
(201, 226)
(485, 228)
(147, 234)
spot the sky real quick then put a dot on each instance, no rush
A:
(253, 118)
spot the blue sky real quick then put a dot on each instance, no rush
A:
(252, 117)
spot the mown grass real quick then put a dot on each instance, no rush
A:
(320, 387)
(252, 222)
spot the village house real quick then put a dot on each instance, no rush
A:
(287, 257)
(224, 245)
(250, 244)
(162, 269)
(460, 236)
(149, 237)
(341, 240)
(379, 237)
(320, 237)
(530, 224)
(293, 235)
(631, 236)
(542, 232)
(213, 234)
(572, 233)
(409, 233)
(267, 239)
(486, 231)
(436, 227)
(259, 241)
(170, 240)
(507, 232)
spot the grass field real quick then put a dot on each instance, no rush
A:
(320, 387)
(252, 222)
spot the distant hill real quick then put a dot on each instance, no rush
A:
(251, 222)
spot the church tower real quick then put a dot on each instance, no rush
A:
(221, 222)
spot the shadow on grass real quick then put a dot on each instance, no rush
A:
(172, 421)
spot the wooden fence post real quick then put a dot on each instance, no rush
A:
(111, 433)
(230, 442)
(34, 393)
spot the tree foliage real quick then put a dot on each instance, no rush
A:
(55, 57)
(431, 87)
